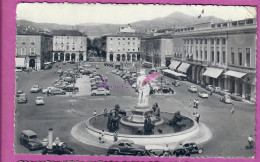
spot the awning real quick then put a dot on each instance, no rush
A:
(235, 74)
(183, 67)
(174, 73)
(213, 72)
(19, 62)
(174, 64)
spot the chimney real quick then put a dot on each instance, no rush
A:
(50, 138)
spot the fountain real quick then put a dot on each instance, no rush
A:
(143, 124)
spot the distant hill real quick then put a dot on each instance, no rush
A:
(176, 19)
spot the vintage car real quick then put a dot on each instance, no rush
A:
(36, 89)
(126, 147)
(209, 88)
(22, 98)
(48, 89)
(236, 97)
(187, 149)
(203, 94)
(39, 100)
(192, 89)
(226, 99)
(57, 91)
(60, 149)
(100, 91)
(30, 139)
(168, 90)
(18, 92)
(176, 83)
(217, 89)
(224, 92)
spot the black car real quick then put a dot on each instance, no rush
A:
(187, 149)
(126, 147)
(61, 149)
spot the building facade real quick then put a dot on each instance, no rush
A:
(156, 49)
(69, 46)
(34, 49)
(122, 47)
(221, 54)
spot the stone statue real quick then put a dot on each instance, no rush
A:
(143, 89)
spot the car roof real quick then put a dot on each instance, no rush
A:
(39, 97)
(29, 132)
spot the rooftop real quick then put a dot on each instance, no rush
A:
(67, 33)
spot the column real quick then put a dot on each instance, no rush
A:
(215, 51)
(236, 90)
(243, 90)
(252, 93)
(114, 57)
(58, 56)
(77, 57)
(198, 50)
(70, 58)
(203, 49)
(226, 83)
(84, 56)
(220, 51)
(193, 73)
(131, 59)
(53, 57)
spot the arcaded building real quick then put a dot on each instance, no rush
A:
(33, 49)
(220, 54)
(69, 45)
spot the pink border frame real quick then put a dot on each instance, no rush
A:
(8, 35)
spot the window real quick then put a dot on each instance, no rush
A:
(138, 49)
(133, 38)
(123, 38)
(68, 48)
(32, 51)
(23, 51)
(224, 56)
(232, 56)
(118, 49)
(201, 54)
(111, 38)
(191, 41)
(201, 40)
(128, 49)
(197, 54)
(184, 41)
(217, 56)
(118, 38)
(206, 41)
(212, 56)
(32, 40)
(133, 43)
(133, 49)
(248, 57)
(128, 43)
(212, 41)
(128, 38)
(118, 43)
(217, 41)
(68, 37)
(73, 47)
(240, 56)
(205, 55)
(223, 41)
(188, 41)
(23, 40)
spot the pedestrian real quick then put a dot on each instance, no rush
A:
(115, 137)
(48, 93)
(16, 78)
(105, 112)
(102, 137)
(28, 71)
(194, 116)
(197, 117)
(232, 109)
(250, 141)
(94, 114)
(190, 103)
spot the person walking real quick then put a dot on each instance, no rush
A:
(250, 141)
(232, 109)
(190, 103)
(198, 117)
(94, 114)
(115, 137)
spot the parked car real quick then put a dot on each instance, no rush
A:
(57, 91)
(152, 70)
(48, 89)
(114, 71)
(217, 89)
(176, 83)
(18, 70)
(224, 92)
(36, 89)
(22, 98)
(60, 149)
(203, 94)
(209, 88)
(187, 149)
(166, 82)
(71, 88)
(168, 90)
(18, 92)
(30, 139)
(39, 100)
(100, 91)
(226, 99)
(193, 89)
(236, 97)
(126, 147)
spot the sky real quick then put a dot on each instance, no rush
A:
(73, 14)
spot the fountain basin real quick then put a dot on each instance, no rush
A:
(169, 134)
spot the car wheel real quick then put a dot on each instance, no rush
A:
(116, 152)
(21, 142)
(200, 151)
(138, 153)
(63, 93)
(94, 94)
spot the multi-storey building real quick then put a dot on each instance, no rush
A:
(122, 47)
(69, 45)
(155, 49)
(33, 49)
(220, 54)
